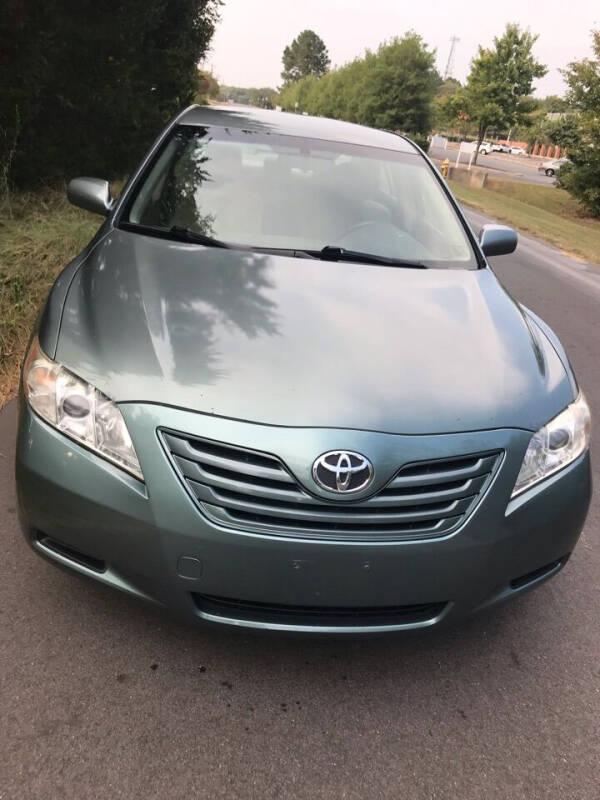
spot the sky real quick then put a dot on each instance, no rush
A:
(249, 40)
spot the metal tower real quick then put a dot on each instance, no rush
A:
(450, 62)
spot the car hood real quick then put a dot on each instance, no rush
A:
(302, 342)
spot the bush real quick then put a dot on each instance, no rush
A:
(579, 133)
(582, 180)
(88, 85)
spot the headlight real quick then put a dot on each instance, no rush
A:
(78, 410)
(555, 445)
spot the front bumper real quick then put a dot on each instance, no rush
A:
(151, 539)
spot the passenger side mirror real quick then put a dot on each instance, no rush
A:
(497, 240)
(93, 194)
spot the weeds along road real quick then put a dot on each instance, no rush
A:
(102, 696)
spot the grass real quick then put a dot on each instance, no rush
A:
(40, 235)
(543, 211)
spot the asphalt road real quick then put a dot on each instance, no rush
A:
(102, 696)
(501, 165)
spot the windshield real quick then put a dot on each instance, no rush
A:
(283, 192)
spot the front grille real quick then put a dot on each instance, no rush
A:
(255, 491)
(316, 616)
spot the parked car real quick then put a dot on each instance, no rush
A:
(485, 148)
(500, 148)
(282, 388)
(551, 167)
(517, 151)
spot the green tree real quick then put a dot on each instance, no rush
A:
(306, 55)
(579, 132)
(90, 83)
(390, 88)
(500, 82)
(583, 80)
(534, 128)
(445, 114)
(565, 131)
(552, 103)
(448, 87)
(402, 81)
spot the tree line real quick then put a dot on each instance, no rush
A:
(262, 97)
(392, 87)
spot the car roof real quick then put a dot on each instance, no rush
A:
(264, 121)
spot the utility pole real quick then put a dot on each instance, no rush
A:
(450, 62)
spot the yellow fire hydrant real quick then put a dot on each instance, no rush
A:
(445, 167)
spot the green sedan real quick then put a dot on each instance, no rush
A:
(282, 388)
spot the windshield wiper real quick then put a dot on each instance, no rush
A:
(327, 253)
(174, 232)
(188, 235)
(331, 253)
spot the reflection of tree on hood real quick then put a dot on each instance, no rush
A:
(234, 295)
(184, 302)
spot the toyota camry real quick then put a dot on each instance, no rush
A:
(282, 388)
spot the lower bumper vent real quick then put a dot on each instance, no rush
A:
(70, 553)
(315, 616)
(530, 577)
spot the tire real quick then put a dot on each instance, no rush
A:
(549, 172)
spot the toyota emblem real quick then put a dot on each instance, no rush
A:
(342, 471)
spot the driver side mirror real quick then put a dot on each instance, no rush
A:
(497, 240)
(93, 194)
